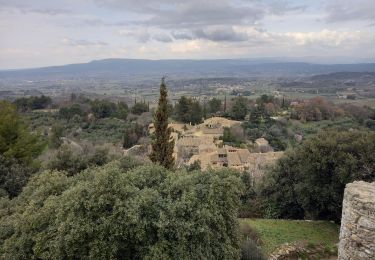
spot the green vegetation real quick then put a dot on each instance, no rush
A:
(309, 181)
(162, 145)
(139, 108)
(214, 105)
(15, 139)
(91, 204)
(31, 103)
(132, 134)
(76, 160)
(239, 108)
(69, 112)
(274, 233)
(18, 151)
(108, 213)
(188, 110)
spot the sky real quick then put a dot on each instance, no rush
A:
(36, 33)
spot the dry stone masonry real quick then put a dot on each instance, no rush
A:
(357, 234)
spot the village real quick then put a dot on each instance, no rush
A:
(202, 143)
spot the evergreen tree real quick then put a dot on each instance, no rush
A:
(162, 145)
(195, 112)
(183, 109)
(239, 108)
(214, 105)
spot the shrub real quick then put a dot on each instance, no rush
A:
(309, 181)
(106, 213)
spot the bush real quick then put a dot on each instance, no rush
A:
(106, 213)
(309, 181)
(74, 161)
(13, 177)
(128, 163)
(16, 141)
(139, 108)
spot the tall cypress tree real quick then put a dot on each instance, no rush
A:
(162, 145)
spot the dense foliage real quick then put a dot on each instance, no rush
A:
(13, 176)
(18, 151)
(188, 110)
(76, 160)
(239, 108)
(214, 105)
(24, 104)
(132, 134)
(309, 181)
(162, 145)
(15, 138)
(316, 109)
(139, 108)
(107, 213)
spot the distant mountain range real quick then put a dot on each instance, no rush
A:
(125, 68)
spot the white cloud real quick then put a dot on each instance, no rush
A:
(324, 37)
(186, 47)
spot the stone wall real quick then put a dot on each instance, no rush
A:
(357, 234)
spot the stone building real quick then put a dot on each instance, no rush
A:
(357, 233)
(236, 158)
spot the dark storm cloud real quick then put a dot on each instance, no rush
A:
(181, 35)
(192, 13)
(162, 38)
(220, 35)
(345, 10)
(82, 42)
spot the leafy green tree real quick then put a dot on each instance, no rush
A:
(214, 105)
(74, 161)
(68, 160)
(56, 136)
(233, 135)
(69, 112)
(108, 213)
(264, 99)
(131, 136)
(31, 103)
(13, 177)
(103, 108)
(122, 110)
(139, 108)
(309, 181)
(188, 110)
(182, 109)
(239, 108)
(196, 112)
(162, 145)
(16, 141)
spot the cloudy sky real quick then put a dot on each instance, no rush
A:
(38, 33)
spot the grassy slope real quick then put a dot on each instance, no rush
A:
(276, 232)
